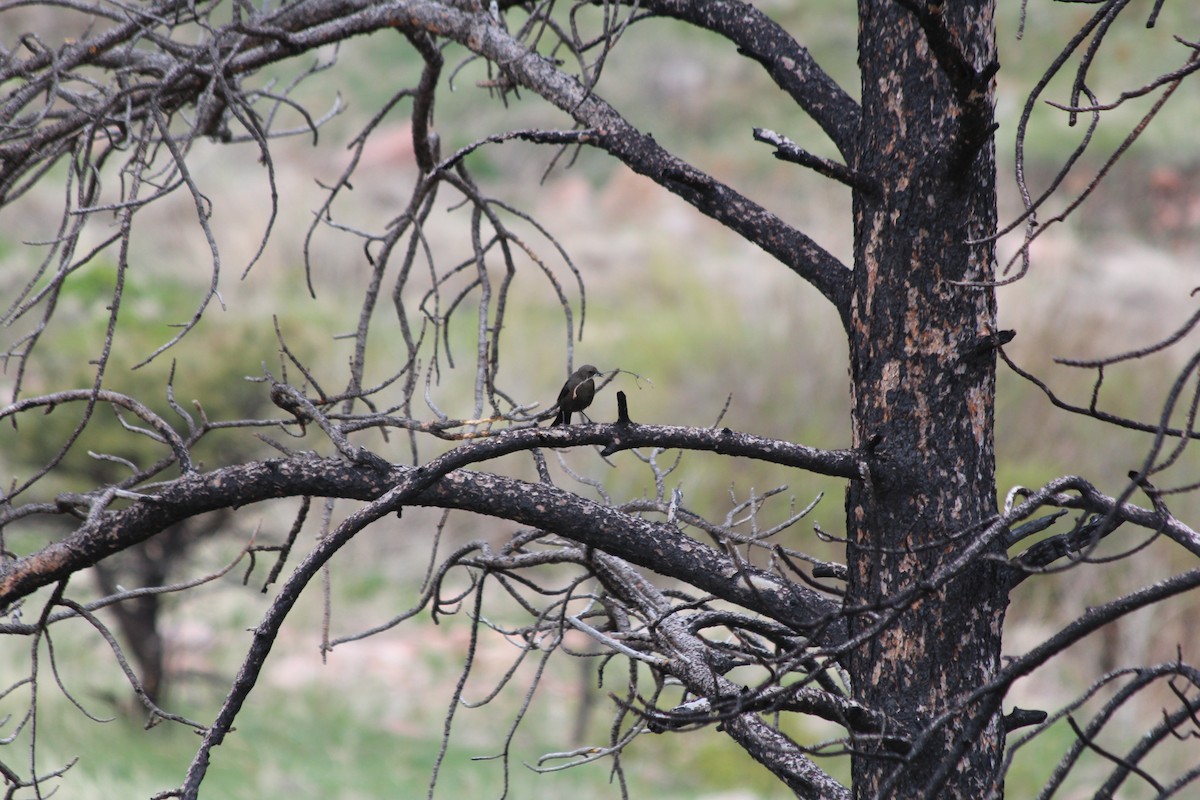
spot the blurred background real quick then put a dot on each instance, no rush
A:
(711, 324)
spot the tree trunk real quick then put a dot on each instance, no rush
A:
(923, 379)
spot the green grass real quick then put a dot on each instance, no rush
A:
(670, 303)
(369, 736)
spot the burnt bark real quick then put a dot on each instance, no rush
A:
(440, 484)
(922, 401)
(899, 647)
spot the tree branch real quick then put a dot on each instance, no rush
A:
(787, 150)
(789, 64)
(640, 152)
(656, 546)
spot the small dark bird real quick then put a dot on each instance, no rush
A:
(576, 393)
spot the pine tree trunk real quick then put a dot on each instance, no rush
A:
(924, 390)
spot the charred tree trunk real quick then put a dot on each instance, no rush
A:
(923, 379)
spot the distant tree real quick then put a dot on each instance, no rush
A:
(900, 646)
(154, 561)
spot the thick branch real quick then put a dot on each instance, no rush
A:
(657, 546)
(615, 437)
(791, 66)
(641, 153)
(1091, 499)
(310, 25)
(690, 662)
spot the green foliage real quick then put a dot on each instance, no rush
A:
(205, 372)
(691, 339)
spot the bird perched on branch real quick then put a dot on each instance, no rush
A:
(576, 393)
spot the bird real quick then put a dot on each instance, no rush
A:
(576, 394)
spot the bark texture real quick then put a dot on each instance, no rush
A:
(924, 384)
